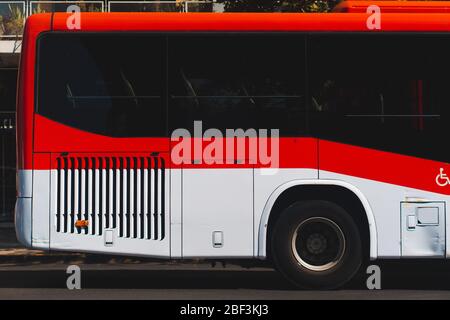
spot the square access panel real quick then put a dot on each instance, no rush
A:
(423, 229)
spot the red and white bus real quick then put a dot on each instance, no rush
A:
(362, 170)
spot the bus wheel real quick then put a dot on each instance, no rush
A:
(316, 245)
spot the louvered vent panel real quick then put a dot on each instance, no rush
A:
(123, 193)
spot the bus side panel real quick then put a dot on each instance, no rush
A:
(176, 214)
(41, 202)
(24, 131)
(217, 212)
(391, 183)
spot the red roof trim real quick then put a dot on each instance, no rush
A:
(251, 22)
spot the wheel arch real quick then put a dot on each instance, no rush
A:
(268, 211)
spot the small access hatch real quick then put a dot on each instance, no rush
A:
(423, 229)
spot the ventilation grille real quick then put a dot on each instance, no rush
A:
(123, 193)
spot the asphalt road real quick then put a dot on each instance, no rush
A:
(424, 280)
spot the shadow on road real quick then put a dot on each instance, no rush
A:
(395, 275)
(408, 275)
(143, 279)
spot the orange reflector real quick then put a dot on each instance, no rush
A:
(81, 223)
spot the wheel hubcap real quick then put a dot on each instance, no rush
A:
(318, 244)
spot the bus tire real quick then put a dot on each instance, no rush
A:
(316, 245)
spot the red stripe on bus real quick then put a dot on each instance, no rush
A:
(54, 137)
(382, 166)
(296, 153)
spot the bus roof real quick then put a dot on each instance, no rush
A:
(360, 6)
(237, 22)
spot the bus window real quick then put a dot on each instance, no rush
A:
(380, 91)
(244, 81)
(106, 84)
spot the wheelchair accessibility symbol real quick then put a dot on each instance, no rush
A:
(442, 179)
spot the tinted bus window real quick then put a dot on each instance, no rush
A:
(388, 92)
(238, 81)
(106, 84)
